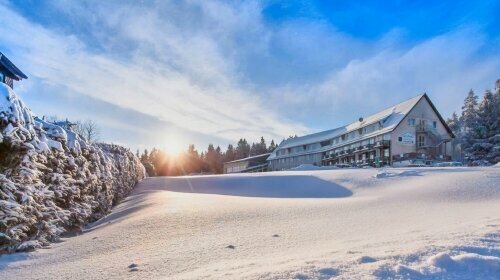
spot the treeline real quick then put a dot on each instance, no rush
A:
(477, 128)
(210, 161)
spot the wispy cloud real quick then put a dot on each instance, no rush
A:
(177, 75)
(210, 68)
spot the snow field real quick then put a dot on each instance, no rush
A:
(417, 223)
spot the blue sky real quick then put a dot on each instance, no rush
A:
(160, 73)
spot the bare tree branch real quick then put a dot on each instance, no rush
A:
(88, 129)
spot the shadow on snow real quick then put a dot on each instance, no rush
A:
(272, 186)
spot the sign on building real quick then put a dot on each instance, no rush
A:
(408, 139)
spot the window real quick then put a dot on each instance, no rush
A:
(411, 122)
(421, 141)
(325, 143)
(305, 147)
(1, 77)
(434, 124)
(400, 139)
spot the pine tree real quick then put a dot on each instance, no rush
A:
(262, 146)
(454, 124)
(145, 156)
(214, 159)
(254, 150)
(469, 119)
(230, 153)
(242, 149)
(488, 118)
(271, 147)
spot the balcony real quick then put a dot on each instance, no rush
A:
(382, 144)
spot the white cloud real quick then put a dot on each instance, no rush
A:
(219, 68)
(445, 67)
(177, 75)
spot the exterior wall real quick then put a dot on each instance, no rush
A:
(10, 82)
(421, 112)
(235, 167)
(371, 145)
(294, 161)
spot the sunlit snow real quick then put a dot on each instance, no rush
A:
(415, 223)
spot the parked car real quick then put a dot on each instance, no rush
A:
(448, 163)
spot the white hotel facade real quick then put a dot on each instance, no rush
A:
(411, 131)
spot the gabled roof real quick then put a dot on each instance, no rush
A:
(389, 119)
(257, 157)
(15, 73)
(448, 129)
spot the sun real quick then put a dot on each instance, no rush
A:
(174, 147)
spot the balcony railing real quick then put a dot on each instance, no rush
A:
(382, 143)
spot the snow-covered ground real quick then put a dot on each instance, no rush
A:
(415, 223)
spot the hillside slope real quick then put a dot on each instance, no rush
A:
(421, 223)
(51, 180)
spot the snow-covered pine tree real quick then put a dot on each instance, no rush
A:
(481, 127)
(469, 116)
(454, 124)
(469, 119)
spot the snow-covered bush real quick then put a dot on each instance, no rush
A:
(51, 179)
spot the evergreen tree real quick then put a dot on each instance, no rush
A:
(230, 153)
(145, 156)
(262, 148)
(242, 149)
(469, 118)
(480, 127)
(454, 124)
(218, 166)
(192, 161)
(254, 150)
(214, 159)
(271, 147)
(488, 116)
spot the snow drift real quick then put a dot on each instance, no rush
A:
(416, 223)
(52, 180)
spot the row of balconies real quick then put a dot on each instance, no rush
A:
(378, 144)
(367, 147)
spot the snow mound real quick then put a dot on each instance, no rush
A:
(51, 179)
(387, 174)
(470, 262)
(310, 167)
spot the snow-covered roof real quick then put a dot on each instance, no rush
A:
(263, 156)
(15, 73)
(388, 118)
